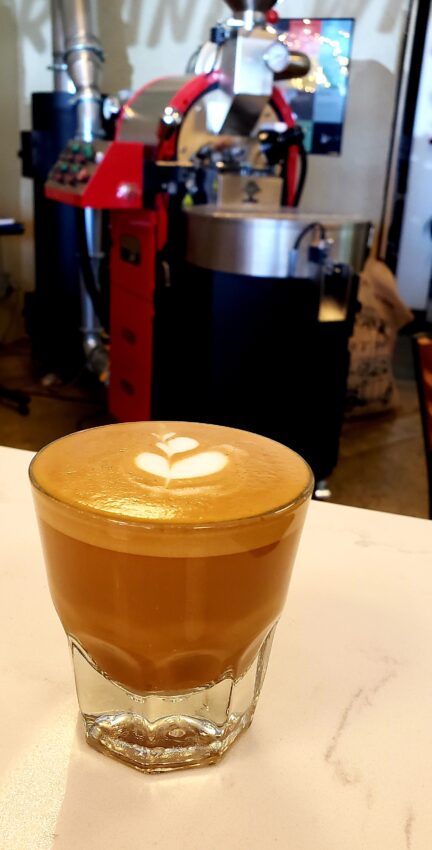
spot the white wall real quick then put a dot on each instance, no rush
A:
(148, 38)
(354, 183)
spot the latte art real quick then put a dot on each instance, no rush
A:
(202, 464)
(171, 472)
(172, 445)
(198, 466)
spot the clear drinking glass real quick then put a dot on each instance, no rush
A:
(169, 549)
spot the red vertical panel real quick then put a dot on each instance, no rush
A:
(133, 268)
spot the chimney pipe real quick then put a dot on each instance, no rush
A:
(241, 6)
(251, 11)
(83, 55)
(58, 67)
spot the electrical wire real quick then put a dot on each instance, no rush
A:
(86, 266)
(303, 175)
(310, 228)
(192, 62)
(88, 275)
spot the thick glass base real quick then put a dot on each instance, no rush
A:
(160, 732)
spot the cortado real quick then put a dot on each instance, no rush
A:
(169, 548)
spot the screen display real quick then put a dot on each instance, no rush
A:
(319, 99)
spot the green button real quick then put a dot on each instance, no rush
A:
(64, 166)
(75, 167)
(88, 151)
(74, 147)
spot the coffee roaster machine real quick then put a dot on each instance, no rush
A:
(204, 294)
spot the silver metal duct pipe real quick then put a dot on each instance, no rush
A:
(84, 57)
(58, 67)
(251, 11)
(241, 6)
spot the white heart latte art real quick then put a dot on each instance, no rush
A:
(177, 446)
(200, 465)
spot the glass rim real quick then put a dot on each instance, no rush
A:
(172, 526)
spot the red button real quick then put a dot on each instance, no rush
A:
(272, 16)
(83, 176)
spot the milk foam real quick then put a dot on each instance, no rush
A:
(108, 482)
(200, 464)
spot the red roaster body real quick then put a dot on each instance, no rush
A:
(115, 181)
(133, 266)
(132, 286)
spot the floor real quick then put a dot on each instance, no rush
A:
(381, 466)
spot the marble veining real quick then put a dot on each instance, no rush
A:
(409, 828)
(382, 683)
(369, 799)
(363, 698)
(346, 714)
(363, 541)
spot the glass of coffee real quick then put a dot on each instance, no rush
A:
(169, 548)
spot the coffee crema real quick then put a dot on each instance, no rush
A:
(169, 476)
(169, 547)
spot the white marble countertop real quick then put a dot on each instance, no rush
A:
(339, 756)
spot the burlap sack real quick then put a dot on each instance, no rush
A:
(371, 383)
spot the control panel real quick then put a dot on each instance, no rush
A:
(98, 174)
(77, 162)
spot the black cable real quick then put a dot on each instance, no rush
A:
(276, 148)
(309, 229)
(303, 174)
(87, 270)
(191, 63)
(105, 273)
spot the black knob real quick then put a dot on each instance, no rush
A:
(218, 34)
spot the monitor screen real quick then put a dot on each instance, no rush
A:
(319, 99)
